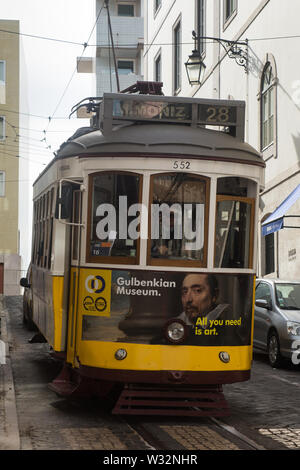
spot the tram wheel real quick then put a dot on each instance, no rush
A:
(275, 358)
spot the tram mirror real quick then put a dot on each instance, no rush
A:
(63, 209)
(24, 282)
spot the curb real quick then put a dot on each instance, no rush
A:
(11, 438)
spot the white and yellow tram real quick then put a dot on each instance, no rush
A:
(122, 298)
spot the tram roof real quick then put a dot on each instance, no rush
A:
(159, 140)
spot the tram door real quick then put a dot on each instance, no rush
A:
(74, 275)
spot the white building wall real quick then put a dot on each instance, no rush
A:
(128, 37)
(272, 30)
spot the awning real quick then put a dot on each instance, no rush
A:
(275, 221)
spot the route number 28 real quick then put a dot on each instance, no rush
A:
(181, 165)
(218, 114)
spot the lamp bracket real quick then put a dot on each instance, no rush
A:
(237, 50)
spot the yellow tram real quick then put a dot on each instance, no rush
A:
(144, 253)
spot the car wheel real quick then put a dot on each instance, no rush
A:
(275, 357)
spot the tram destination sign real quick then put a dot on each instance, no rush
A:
(154, 110)
(194, 111)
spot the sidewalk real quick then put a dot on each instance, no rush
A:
(9, 430)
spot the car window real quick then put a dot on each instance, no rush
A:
(288, 296)
(263, 291)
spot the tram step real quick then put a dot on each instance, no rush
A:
(136, 399)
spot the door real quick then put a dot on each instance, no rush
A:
(262, 316)
(74, 276)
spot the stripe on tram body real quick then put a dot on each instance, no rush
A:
(162, 357)
(57, 299)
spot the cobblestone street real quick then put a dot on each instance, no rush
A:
(261, 415)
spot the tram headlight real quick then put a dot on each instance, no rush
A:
(224, 356)
(175, 331)
(120, 354)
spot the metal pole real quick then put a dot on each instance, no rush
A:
(113, 47)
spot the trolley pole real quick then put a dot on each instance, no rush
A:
(113, 47)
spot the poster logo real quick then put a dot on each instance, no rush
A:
(95, 292)
(95, 284)
(91, 305)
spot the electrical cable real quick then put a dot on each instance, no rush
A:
(42, 37)
(85, 45)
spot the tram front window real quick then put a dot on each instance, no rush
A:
(111, 195)
(233, 232)
(178, 229)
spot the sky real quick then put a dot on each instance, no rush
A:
(49, 84)
(49, 87)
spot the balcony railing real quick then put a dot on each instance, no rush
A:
(127, 32)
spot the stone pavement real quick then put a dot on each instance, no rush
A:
(9, 431)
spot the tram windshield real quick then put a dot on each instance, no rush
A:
(178, 213)
(232, 234)
(112, 195)
(234, 223)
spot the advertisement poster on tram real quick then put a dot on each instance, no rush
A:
(134, 306)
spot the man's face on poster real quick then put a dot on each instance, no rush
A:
(196, 296)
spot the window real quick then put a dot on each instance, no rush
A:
(288, 296)
(178, 220)
(125, 67)
(234, 232)
(230, 7)
(2, 128)
(177, 57)
(2, 72)
(267, 106)
(157, 68)
(43, 213)
(234, 222)
(2, 183)
(76, 228)
(114, 217)
(2, 82)
(201, 23)
(263, 292)
(269, 254)
(126, 10)
(157, 5)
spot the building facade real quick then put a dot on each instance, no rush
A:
(10, 260)
(127, 25)
(270, 86)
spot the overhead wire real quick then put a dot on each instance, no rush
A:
(66, 41)
(85, 45)
(20, 156)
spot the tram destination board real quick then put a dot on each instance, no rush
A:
(209, 112)
(117, 107)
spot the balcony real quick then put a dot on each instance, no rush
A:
(106, 82)
(128, 34)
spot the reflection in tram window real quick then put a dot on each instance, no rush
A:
(111, 195)
(233, 243)
(178, 218)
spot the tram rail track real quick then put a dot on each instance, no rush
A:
(174, 435)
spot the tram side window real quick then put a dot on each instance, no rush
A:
(179, 215)
(113, 228)
(234, 224)
(42, 230)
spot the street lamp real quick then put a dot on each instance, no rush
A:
(195, 67)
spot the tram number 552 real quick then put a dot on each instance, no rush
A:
(181, 165)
